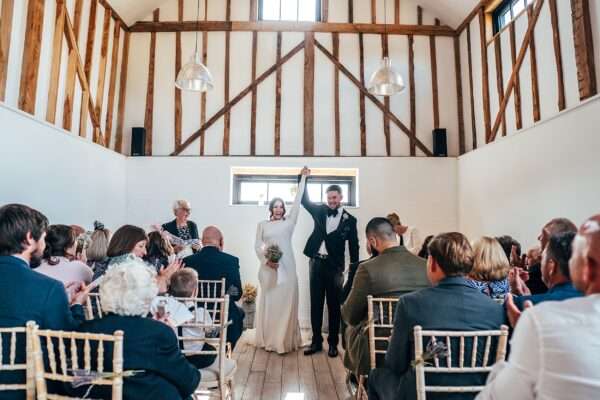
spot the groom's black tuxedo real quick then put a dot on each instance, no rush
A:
(326, 271)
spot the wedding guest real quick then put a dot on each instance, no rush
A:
(59, 257)
(490, 269)
(393, 273)
(451, 305)
(159, 251)
(126, 293)
(409, 235)
(533, 263)
(96, 251)
(554, 226)
(352, 273)
(511, 248)
(184, 283)
(26, 295)
(80, 242)
(554, 346)
(181, 227)
(424, 253)
(212, 263)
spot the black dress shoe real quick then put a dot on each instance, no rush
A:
(314, 348)
(332, 352)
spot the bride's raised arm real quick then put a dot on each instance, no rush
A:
(295, 211)
(259, 244)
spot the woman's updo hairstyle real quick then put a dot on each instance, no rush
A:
(59, 238)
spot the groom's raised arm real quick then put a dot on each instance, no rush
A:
(311, 207)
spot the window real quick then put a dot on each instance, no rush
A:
(289, 10)
(507, 11)
(258, 186)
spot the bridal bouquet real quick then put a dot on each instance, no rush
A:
(273, 253)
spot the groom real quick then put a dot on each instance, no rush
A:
(326, 247)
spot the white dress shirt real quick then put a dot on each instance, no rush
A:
(331, 226)
(555, 354)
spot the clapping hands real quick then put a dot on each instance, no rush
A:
(165, 273)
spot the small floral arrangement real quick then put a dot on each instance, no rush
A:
(434, 350)
(273, 253)
(249, 293)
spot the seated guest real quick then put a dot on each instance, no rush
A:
(408, 235)
(490, 269)
(126, 293)
(181, 227)
(352, 272)
(184, 283)
(512, 249)
(394, 272)
(533, 263)
(451, 305)
(554, 348)
(555, 271)
(59, 258)
(159, 251)
(424, 253)
(26, 295)
(212, 263)
(554, 226)
(98, 246)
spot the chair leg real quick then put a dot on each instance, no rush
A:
(231, 390)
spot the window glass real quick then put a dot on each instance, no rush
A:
(253, 192)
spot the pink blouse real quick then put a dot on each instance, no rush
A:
(67, 271)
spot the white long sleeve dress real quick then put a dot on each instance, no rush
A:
(277, 326)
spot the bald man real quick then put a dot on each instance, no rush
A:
(212, 263)
(554, 349)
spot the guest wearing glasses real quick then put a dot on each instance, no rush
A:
(181, 227)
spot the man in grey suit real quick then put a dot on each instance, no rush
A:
(393, 273)
(451, 305)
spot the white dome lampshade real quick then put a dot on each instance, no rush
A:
(194, 76)
(386, 81)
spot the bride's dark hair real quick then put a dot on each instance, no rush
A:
(272, 206)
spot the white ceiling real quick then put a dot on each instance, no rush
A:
(451, 12)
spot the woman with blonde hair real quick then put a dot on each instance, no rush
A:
(99, 240)
(490, 268)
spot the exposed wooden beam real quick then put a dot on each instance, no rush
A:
(149, 114)
(373, 11)
(336, 95)
(31, 55)
(227, 117)
(6, 20)
(499, 76)
(72, 71)
(485, 81)
(419, 15)
(371, 97)
(386, 102)
(253, 10)
(309, 94)
(535, 86)
(413, 90)
(397, 12)
(471, 89)
(177, 105)
(203, 95)
(584, 48)
(284, 26)
(517, 89)
(459, 96)
(112, 85)
(350, 11)
(57, 42)
(485, 4)
(238, 98)
(91, 36)
(122, 94)
(557, 54)
(102, 67)
(434, 80)
(115, 15)
(277, 143)
(362, 105)
(324, 10)
(254, 96)
(517, 68)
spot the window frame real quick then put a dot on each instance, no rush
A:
(502, 8)
(238, 179)
(318, 13)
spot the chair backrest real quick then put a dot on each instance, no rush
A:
(93, 307)
(475, 362)
(214, 327)
(58, 356)
(381, 322)
(10, 340)
(210, 289)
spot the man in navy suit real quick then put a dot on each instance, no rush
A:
(326, 248)
(451, 305)
(212, 263)
(26, 295)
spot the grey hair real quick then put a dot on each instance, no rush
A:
(181, 204)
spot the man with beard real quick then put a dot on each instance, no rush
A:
(26, 295)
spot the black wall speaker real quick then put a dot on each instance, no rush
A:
(440, 146)
(138, 142)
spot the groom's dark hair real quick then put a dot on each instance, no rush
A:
(381, 228)
(334, 188)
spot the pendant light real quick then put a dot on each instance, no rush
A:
(194, 76)
(385, 81)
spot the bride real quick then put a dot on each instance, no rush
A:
(277, 327)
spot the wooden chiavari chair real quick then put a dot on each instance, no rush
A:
(10, 340)
(211, 289)
(478, 361)
(93, 307)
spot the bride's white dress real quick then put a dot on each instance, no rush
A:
(277, 326)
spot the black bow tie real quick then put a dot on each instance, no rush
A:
(332, 213)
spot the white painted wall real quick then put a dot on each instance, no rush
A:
(292, 85)
(70, 180)
(517, 184)
(422, 191)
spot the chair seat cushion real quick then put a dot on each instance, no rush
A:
(211, 373)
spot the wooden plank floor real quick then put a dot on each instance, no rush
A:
(293, 376)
